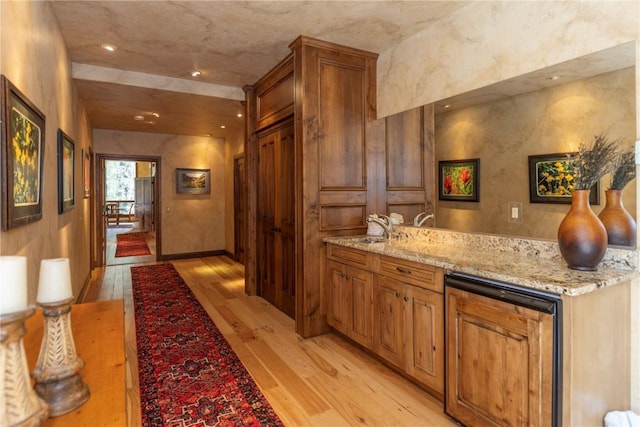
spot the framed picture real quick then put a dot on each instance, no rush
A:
(86, 174)
(551, 179)
(22, 157)
(193, 181)
(66, 172)
(459, 180)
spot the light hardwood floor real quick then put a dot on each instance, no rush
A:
(322, 381)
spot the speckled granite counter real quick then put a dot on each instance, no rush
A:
(532, 263)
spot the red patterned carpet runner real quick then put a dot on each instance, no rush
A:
(189, 374)
(131, 244)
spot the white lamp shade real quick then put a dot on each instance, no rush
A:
(13, 290)
(55, 281)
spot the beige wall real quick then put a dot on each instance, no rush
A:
(503, 134)
(489, 41)
(190, 223)
(33, 57)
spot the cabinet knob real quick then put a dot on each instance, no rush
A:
(406, 298)
(397, 294)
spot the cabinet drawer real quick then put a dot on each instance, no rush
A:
(415, 273)
(349, 256)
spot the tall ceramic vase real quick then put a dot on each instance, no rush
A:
(620, 225)
(581, 236)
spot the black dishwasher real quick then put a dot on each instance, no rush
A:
(514, 295)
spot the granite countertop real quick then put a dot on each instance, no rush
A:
(511, 266)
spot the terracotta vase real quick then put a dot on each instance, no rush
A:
(581, 236)
(620, 225)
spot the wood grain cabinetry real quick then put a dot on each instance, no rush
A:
(391, 306)
(408, 319)
(499, 362)
(409, 163)
(329, 93)
(350, 294)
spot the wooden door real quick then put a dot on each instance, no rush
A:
(424, 337)
(144, 203)
(286, 221)
(266, 250)
(388, 319)
(499, 362)
(239, 208)
(275, 270)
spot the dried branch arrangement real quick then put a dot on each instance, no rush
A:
(591, 163)
(625, 171)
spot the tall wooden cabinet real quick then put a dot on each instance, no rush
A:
(347, 164)
(329, 93)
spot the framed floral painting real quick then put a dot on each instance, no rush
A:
(459, 180)
(551, 179)
(22, 157)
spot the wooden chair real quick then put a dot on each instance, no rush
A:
(112, 213)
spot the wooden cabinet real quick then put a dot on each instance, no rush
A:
(276, 217)
(350, 294)
(409, 163)
(499, 362)
(329, 91)
(408, 319)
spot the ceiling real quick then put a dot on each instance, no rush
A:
(232, 44)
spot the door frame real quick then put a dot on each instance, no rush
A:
(237, 194)
(99, 230)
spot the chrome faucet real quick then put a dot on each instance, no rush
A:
(421, 218)
(384, 222)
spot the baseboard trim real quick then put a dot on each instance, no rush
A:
(172, 257)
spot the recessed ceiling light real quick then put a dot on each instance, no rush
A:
(109, 47)
(553, 78)
(447, 106)
(138, 118)
(239, 114)
(223, 127)
(154, 114)
(195, 73)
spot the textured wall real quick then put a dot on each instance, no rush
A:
(489, 41)
(190, 223)
(33, 57)
(503, 134)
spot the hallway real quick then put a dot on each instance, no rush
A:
(322, 381)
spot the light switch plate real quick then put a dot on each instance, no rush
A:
(514, 212)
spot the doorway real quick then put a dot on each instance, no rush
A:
(239, 205)
(130, 209)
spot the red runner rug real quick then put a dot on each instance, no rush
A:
(131, 244)
(189, 374)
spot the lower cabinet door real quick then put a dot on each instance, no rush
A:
(499, 362)
(388, 319)
(424, 337)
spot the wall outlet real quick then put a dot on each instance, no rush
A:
(514, 212)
